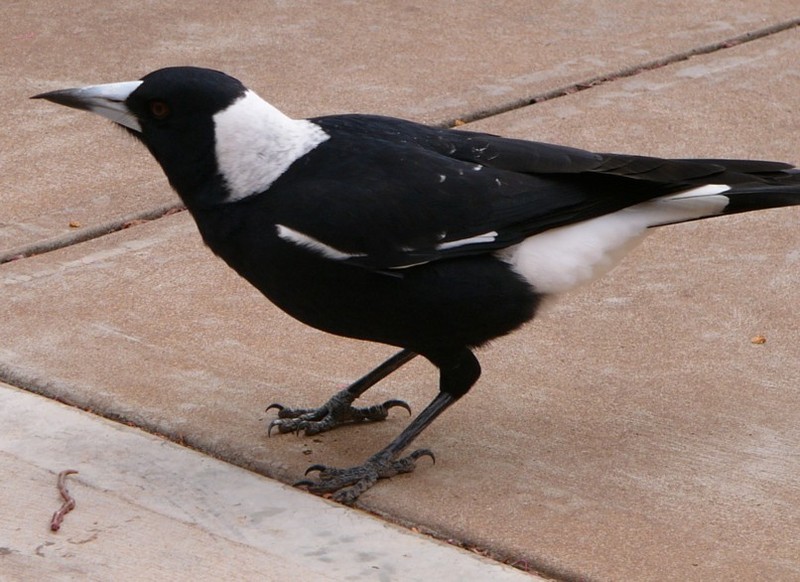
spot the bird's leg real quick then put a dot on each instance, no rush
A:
(347, 484)
(339, 409)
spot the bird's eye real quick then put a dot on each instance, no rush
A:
(159, 109)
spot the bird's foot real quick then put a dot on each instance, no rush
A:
(347, 484)
(335, 412)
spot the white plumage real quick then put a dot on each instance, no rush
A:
(560, 259)
(255, 143)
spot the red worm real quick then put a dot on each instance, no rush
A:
(69, 502)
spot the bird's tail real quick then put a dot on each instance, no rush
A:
(761, 192)
(561, 258)
(744, 198)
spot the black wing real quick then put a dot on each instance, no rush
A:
(386, 193)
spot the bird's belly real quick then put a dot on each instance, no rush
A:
(465, 301)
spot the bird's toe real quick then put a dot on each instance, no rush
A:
(336, 412)
(346, 485)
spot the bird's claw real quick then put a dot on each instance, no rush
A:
(336, 412)
(346, 485)
(313, 468)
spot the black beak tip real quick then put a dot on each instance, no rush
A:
(52, 95)
(67, 97)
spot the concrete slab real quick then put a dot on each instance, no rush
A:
(430, 61)
(656, 441)
(149, 509)
(738, 102)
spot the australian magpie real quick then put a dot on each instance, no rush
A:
(431, 240)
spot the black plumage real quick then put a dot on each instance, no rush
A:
(432, 240)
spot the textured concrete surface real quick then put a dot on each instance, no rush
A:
(432, 61)
(633, 432)
(203, 520)
(736, 103)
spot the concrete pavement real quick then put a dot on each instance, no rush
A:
(646, 440)
(185, 515)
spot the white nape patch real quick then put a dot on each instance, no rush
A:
(481, 238)
(313, 244)
(256, 143)
(560, 259)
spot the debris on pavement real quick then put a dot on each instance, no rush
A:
(69, 501)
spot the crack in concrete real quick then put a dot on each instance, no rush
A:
(631, 71)
(89, 233)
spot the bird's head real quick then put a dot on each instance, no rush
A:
(217, 141)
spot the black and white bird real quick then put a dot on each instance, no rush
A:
(432, 240)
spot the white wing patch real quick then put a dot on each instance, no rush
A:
(562, 258)
(256, 143)
(481, 238)
(313, 244)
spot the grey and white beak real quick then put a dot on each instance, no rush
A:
(106, 100)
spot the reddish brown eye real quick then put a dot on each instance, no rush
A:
(159, 109)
